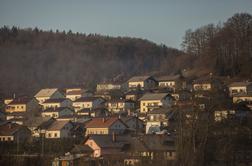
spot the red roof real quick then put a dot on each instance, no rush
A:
(103, 122)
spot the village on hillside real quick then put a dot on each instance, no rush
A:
(143, 120)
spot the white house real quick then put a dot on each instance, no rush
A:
(45, 94)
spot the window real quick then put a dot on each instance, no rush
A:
(3, 139)
(55, 135)
(9, 138)
(143, 104)
(49, 135)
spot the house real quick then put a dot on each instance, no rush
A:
(142, 82)
(108, 86)
(158, 119)
(56, 103)
(18, 117)
(76, 93)
(97, 112)
(150, 101)
(241, 97)
(120, 105)
(59, 129)
(88, 102)
(45, 94)
(243, 87)
(151, 147)
(24, 104)
(133, 123)
(12, 132)
(105, 126)
(134, 95)
(223, 112)
(36, 122)
(206, 83)
(57, 112)
(171, 82)
(105, 145)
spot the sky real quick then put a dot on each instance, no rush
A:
(160, 21)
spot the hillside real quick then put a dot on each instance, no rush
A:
(33, 59)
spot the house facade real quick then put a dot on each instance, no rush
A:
(56, 103)
(142, 82)
(150, 101)
(59, 129)
(48, 93)
(88, 102)
(105, 126)
(57, 112)
(237, 88)
(120, 105)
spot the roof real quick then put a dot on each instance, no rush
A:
(120, 101)
(46, 92)
(58, 125)
(20, 101)
(106, 141)
(36, 121)
(159, 111)
(243, 83)
(58, 109)
(9, 128)
(55, 100)
(168, 78)
(74, 92)
(102, 122)
(87, 99)
(78, 149)
(154, 96)
(138, 78)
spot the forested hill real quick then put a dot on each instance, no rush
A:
(31, 59)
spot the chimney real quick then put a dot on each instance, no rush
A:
(113, 137)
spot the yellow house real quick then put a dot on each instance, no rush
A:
(240, 88)
(149, 101)
(105, 126)
(242, 97)
(59, 129)
(56, 103)
(76, 93)
(22, 105)
(45, 94)
(57, 112)
(170, 82)
(142, 82)
(206, 83)
(88, 102)
(118, 105)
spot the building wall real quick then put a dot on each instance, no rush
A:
(206, 86)
(145, 103)
(237, 90)
(237, 99)
(97, 131)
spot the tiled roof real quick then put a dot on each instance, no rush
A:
(106, 141)
(74, 92)
(153, 96)
(9, 128)
(168, 78)
(20, 101)
(103, 122)
(36, 121)
(138, 78)
(244, 83)
(58, 109)
(87, 99)
(46, 92)
(55, 100)
(58, 125)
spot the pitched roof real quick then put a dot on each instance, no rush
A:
(74, 92)
(243, 83)
(103, 122)
(46, 92)
(106, 141)
(57, 125)
(87, 99)
(36, 121)
(9, 128)
(168, 78)
(138, 78)
(153, 96)
(55, 100)
(24, 100)
(58, 109)
(77, 149)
